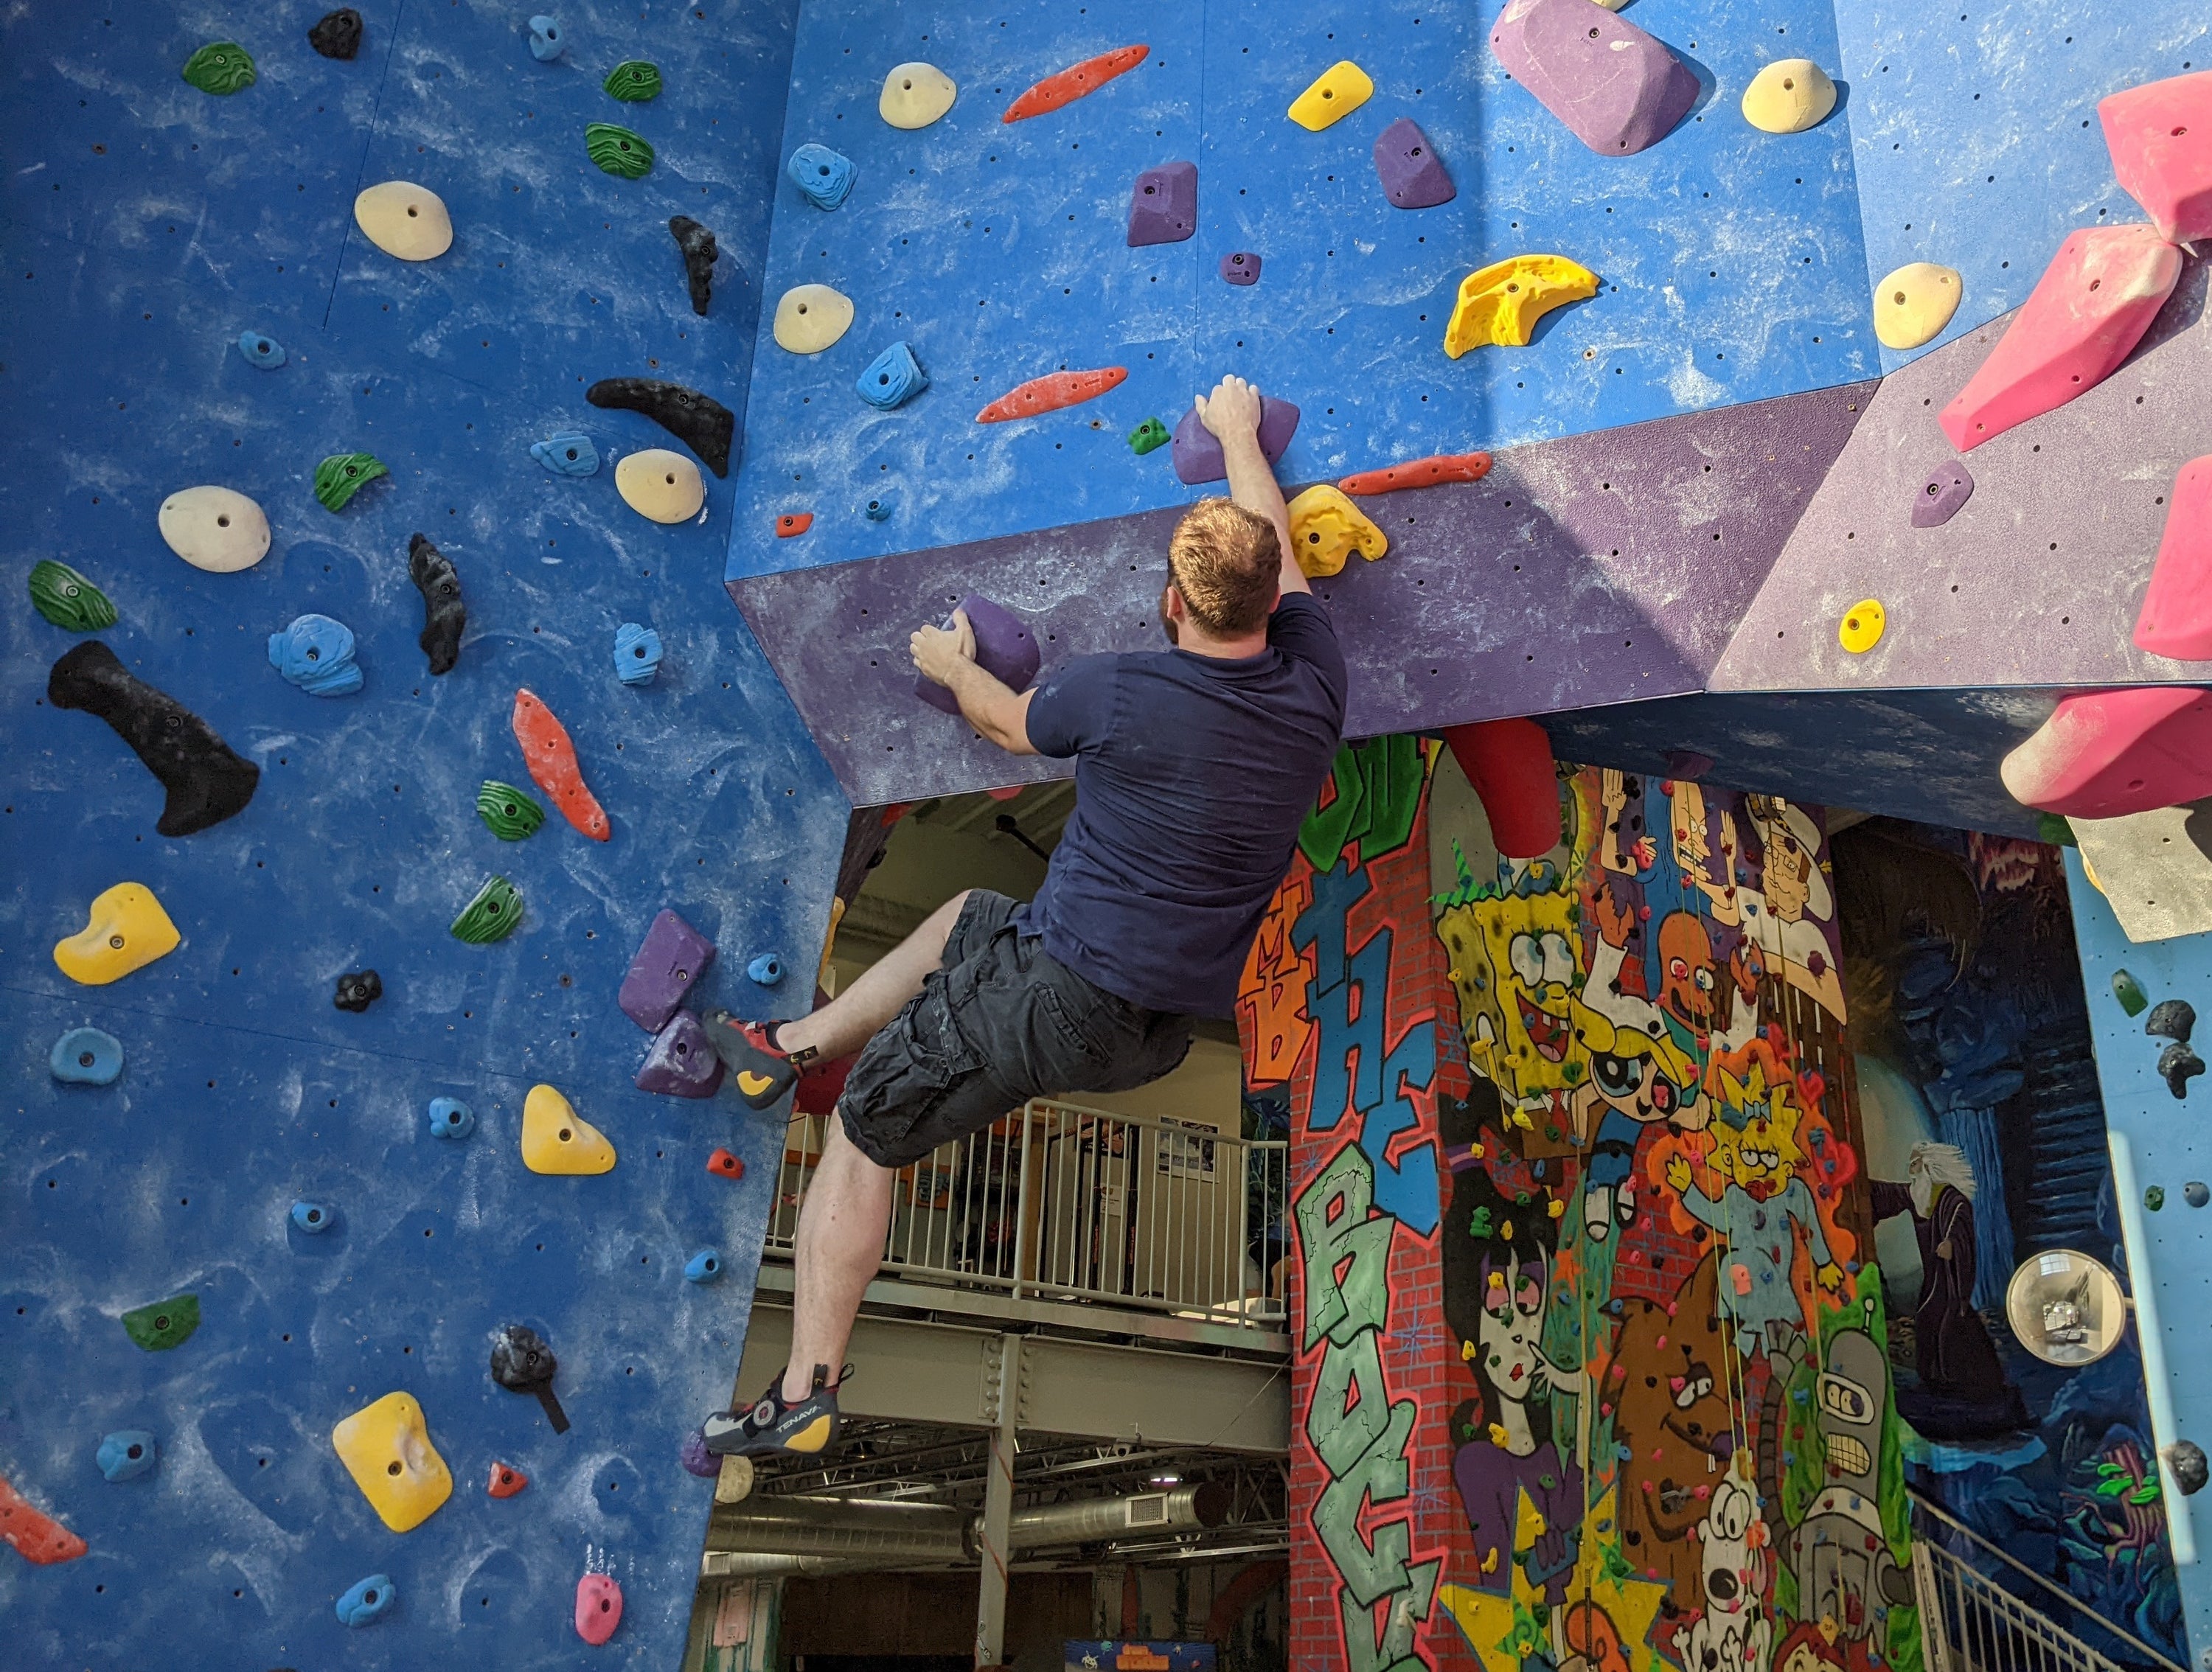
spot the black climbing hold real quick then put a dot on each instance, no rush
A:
(2185, 1459)
(701, 422)
(2197, 1193)
(338, 35)
(700, 254)
(2176, 1066)
(207, 781)
(521, 1362)
(444, 615)
(358, 990)
(2172, 1019)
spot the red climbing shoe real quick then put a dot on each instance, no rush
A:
(761, 1073)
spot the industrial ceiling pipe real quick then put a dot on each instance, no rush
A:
(1087, 1520)
(836, 1527)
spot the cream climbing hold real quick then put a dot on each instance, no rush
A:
(1912, 305)
(662, 485)
(215, 529)
(1861, 629)
(1501, 303)
(1327, 528)
(406, 220)
(1337, 92)
(811, 317)
(556, 1139)
(1788, 96)
(915, 95)
(126, 929)
(385, 1447)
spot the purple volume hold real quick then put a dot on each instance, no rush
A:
(1198, 449)
(1941, 494)
(1413, 174)
(674, 955)
(682, 1062)
(1163, 204)
(1005, 649)
(1241, 267)
(1618, 89)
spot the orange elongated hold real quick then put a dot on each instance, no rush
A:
(1065, 87)
(38, 1535)
(1051, 392)
(1420, 473)
(552, 762)
(793, 523)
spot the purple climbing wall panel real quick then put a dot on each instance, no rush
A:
(1598, 569)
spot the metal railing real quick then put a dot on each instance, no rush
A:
(1058, 1202)
(1971, 1623)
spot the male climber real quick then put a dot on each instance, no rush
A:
(1194, 768)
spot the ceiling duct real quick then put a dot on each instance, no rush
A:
(857, 1529)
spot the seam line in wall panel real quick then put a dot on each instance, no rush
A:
(367, 144)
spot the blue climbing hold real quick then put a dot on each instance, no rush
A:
(1625, 1454)
(451, 1118)
(566, 452)
(128, 1453)
(265, 352)
(313, 1217)
(879, 509)
(546, 42)
(893, 378)
(316, 655)
(637, 653)
(822, 175)
(766, 971)
(369, 1598)
(703, 1266)
(86, 1056)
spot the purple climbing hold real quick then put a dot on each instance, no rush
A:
(1413, 174)
(1005, 649)
(1241, 267)
(1198, 449)
(673, 956)
(697, 1460)
(1941, 494)
(682, 1062)
(1618, 89)
(1163, 204)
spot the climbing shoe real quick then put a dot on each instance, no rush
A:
(761, 1073)
(775, 1427)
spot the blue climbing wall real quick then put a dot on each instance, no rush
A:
(146, 225)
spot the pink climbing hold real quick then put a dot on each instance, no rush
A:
(2106, 754)
(2160, 138)
(1509, 763)
(598, 1608)
(2176, 619)
(2084, 316)
(1617, 87)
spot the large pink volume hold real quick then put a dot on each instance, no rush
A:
(1617, 87)
(2084, 316)
(2160, 138)
(2105, 754)
(2176, 619)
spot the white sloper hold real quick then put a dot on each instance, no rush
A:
(405, 220)
(915, 95)
(811, 317)
(662, 485)
(215, 529)
(1788, 96)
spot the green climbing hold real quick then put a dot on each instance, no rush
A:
(2155, 1198)
(507, 813)
(1147, 435)
(491, 916)
(633, 80)
(66, 598)
(164, 1324)
(342, 475)
(2129, 991)
(221, 67)
(2055, 831)
(617, 150)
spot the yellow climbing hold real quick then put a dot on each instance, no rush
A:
(556, 1139)
(386, 1448)
(1914, 303)
(1501, 303)
(810, 317)
(1860, 630)
(915, 95)
(1337, 92)
(1788, 96)
(1327, 528)
(406, 220)
(660, 484)
(125, 930)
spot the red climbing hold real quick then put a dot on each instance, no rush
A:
(37, 1536)
(2106, 754)
(505, 1482)
(1509, 764)
(1051, 392)
(1065, 87)
(723, 1164)
(552, 762)
(793, 522)
(2160, 138)
(2177, 611)
(1420, 473)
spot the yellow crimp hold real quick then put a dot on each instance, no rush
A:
(1861, 629)
(1337, 92)
(1327, 528)
(1501, 303)
(556, 1139)
(125, 930)
(386, 1448)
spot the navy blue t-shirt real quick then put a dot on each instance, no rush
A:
(1192, 776)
